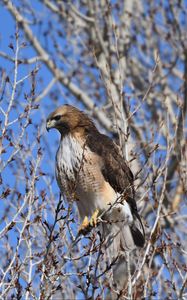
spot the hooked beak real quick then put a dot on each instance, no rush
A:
(50, 124)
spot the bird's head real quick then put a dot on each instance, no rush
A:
(67, 118)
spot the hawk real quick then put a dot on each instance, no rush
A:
(91, 171)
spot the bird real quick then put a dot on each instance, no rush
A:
(91, 171)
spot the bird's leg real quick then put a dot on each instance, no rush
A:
(94, 218)
(84, 225)
(88, 224)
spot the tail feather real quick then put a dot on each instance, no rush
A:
(137, 236)
(118, 240)
(126, 239)
(123, 232)
(132, 235)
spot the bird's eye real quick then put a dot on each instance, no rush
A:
(57, 118)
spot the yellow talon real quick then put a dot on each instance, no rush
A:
(93, 219)
(87, 225)
(84, 224)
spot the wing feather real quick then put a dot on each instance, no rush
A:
(114, 167)
(116, 171)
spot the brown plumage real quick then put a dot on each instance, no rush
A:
(91, 171)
